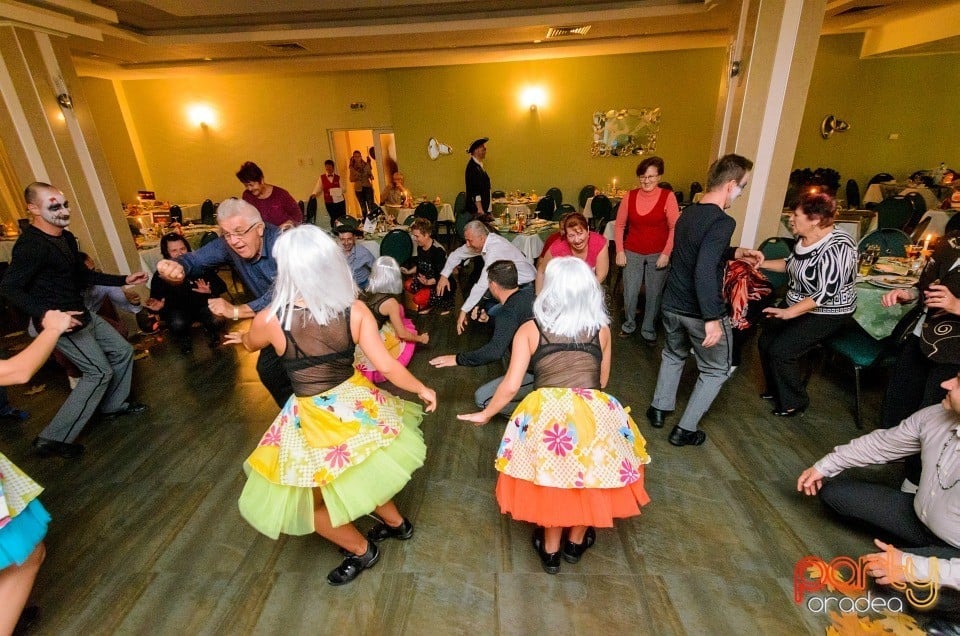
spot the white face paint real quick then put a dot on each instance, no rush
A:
(54, 209)
(736, 192)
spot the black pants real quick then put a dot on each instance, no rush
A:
(365, 197)
(180, 319)
(274, 376)
(782, 343)
(336, 210)
(914, 384)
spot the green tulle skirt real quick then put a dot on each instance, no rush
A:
(273, 508)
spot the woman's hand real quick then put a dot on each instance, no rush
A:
(423, 338)
(154, 304)
(234, 337)
(897, 297)
(429, 398)
(778, 313)
(939, 297)
(622, 259)
(479, 419)
(60, 321)
(662, 261)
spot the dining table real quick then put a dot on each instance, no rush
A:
(871, 315)
(530, 241)
(444, 212)
(513, 207)
(615, 198)
(877, 192)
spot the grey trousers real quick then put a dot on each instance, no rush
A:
(106, 361)
(640, 268)
(682, 334)
(484, 394)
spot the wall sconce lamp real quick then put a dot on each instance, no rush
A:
(201, 115)
(533, 97)
(830, 125)
(65, 100)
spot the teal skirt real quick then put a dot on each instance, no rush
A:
(21, 535)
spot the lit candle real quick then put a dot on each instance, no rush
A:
(926, 242)
(614, 183)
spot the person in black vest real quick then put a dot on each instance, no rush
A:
(46, 273)
(478, 181)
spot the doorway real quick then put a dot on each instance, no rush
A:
(376, 143)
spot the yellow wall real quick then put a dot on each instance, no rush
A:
(114, 137)
(912, 96)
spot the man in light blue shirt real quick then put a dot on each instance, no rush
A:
(359, 258)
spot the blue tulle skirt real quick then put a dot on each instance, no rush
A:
(19, 537)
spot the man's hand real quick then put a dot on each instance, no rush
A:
(220, 307)
(154, 304)
(443, 285)
(138, 278)
(60, 321)
(478, 418)
(234, 337)
(810, 481)
(201, 286)
(286, 226)
(714, 331)
(444, 361)
(754, 257)
(886, 566)
(170, 271)
(621, 259)
(461, 322)
(131, 295)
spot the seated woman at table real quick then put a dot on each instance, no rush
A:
(340, 448)
(916, 379)
(182, 305)
(424, 270)
(396, 330)
(820, 300)
(571, 458)
(576, 239)
(644, 240)
(395, 193)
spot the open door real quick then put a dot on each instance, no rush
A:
(378, 144)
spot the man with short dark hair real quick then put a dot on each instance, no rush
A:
(517, 308)
(47, 273)
(694, 312)
(359, 258)
(477, 181)
(276, 205)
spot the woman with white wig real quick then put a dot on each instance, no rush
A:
(382, 297)
(571, 457)
(340, 448)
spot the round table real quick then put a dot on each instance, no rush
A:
(872, 316)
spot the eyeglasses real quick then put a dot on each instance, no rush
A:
(649, 177)
(239, 235)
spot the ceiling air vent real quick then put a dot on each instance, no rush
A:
(563, 31)
(285, 47)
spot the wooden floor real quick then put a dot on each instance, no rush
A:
(147, 538)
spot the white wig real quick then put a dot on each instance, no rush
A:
(571, 301)
(233, 206)
(385, 277)
(312, 271)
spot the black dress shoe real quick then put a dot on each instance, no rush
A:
(573, 551)
(683, 437)
(382, 531)
(353, 565)
(789, 412)
(132, 408)
(656, 416)
(550, 561)
(49, 447)
(649, 342)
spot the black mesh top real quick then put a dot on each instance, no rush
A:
(564, 362)
(318, 357)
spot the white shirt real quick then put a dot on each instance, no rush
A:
(495, 248)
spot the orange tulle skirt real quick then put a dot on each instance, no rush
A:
(562, 507)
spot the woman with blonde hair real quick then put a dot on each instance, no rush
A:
(571, 458)
(340, 448)
(399, 335)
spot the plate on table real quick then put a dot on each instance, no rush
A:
(892, 282)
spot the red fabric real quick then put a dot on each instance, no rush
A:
(595, 244)
(647, 233)
(741, 284)
(547, 244)
(329, 181)
(564, 508)
(420, 297)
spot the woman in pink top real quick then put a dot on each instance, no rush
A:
(577, 240)
(644, 239)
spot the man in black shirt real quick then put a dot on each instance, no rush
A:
(517, 308)
(46, 273)
(694, 311)
(477, 181)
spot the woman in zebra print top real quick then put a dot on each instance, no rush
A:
(820, 299)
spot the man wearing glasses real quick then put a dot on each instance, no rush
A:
(246, 243)
(694, 312)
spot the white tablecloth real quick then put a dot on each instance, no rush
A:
(877, 192)
(6, 250)
(588, 212)
(444, 213)
(938, 221)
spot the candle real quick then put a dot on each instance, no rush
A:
(926, 242)
(614, 183)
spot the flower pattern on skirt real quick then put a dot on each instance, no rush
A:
(16, 490)
(572, 438)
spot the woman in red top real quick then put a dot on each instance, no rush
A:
(576, 239)
(329, 184)
(644, 239)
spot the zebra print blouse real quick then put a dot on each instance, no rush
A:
(826, 272)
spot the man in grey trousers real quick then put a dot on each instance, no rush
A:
(45, 273)
(694, 311)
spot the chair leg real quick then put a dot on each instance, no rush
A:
(856, 378)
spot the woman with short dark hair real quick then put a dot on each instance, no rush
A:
(820, 299)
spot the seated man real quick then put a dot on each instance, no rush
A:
(359, 258)
(491, 248)
(517, 309)
(395, 193)
(927, 523)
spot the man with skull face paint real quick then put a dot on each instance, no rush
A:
(47, 273)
